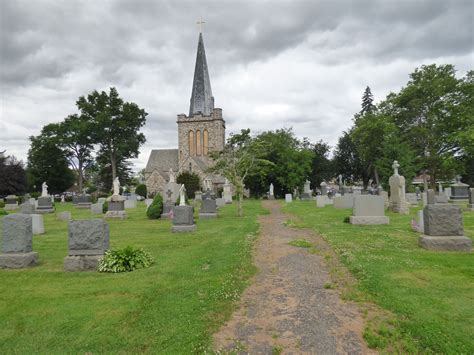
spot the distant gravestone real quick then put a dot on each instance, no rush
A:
(128, 204)
(384, 195)
(441, 198)
(167, 208)
(64, 216)
(97, 208)
(37, 224)
(411, 198)
(27, 208)
(11, 203)
(324, 188)
(183, 219)
(271, 193)
(459, 190)
(148, 202)
(444, 229)
(357, 190)
(227, 192)
(345, 201)
(17, 249)
(32, 201)
(208, 209)
(83, 201)
(397, 191)
(424, 198)
(88, 241)
(368, 209)
(419, 225)
(288, 198)
(198, 196)
(44, 205)
(306, 195)
(430, 197)
(220, 202)
(101, 200)
(471, 199)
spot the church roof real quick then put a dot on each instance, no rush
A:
(163, 160)
(201, 97)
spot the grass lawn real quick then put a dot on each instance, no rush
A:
(430, 293)
(172, 307)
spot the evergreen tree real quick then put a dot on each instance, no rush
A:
(367, 102)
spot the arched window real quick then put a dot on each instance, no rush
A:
(205, 144)
(191, 143)
(198, 143)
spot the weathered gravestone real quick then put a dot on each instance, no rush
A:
(37, 224)
(198, 196)
(227, 192)
(220, 202)
(64, 216)
(398, 203)
(324, 188)
(27, 208)
(88, 241)
(424, 198)
(167, 208)
(44, 205)
(345, 201)
(83, 201)
(306, 195)
(271, 194)
(459, 190)
(101, 200)
(471, 199)
(183, 219)
(17, 249)
(357, 190)
(128, 204)
(411, 198)
(444, 229)
(288, 198)
(97, 208)
(208, 209)
(368, 209)
(11, 203)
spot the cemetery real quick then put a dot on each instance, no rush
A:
(300, 219)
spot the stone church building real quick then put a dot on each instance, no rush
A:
(200, 133)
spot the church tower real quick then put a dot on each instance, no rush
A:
(203, 131)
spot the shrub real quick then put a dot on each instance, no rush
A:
(3, 212)
(156, 208)
(191, 181)
(105, 207)
(35, 194)
(141, 190)
(126, 259)
(2, 204)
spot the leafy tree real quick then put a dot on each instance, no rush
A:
(101, 172)
(347, 161)
(117, 124)
(47, 162)
(240, 155)
(322, 168)
(141, 190)
(12, 176)
(191, 181)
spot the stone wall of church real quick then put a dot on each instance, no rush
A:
(214, 124)
(154, 183)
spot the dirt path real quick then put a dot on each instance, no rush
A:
(287, 309)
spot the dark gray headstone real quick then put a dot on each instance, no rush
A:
(183, 215)
(44, 202)
(116, 206)
(17, 233)
(443, 220)
(88, 237)
(208, 206)
(167, 207)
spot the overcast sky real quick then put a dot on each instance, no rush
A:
(273, 64)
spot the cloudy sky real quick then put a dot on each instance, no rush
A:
(273, 64)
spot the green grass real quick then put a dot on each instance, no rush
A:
(172, 307)
(430, 293)
(301, 243)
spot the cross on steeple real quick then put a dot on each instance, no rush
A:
(200, 23)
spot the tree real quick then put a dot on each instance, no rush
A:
(367, 102)
(322, 168)
(240, 155)
(101, 172)
(12, 176)
(47, 162)
(191, 181)
(141, 190)
(116, 123)
(347, 161)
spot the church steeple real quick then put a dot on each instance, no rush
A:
(202, 100)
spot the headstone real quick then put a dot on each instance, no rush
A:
(288, 198)
(17, 249)
(397, 191)
(418, 225)
(101, 200)
(447, 192)
(198, 196)
(441, 198)
(64, 216)
(471, 199)
(220, 202)
(167, 208)
(37, 224)
(368, 210)
(384, 195)
(307, 194)
(63, 199)
(430, 197)
(171, 191)
(208, 209)
(357, 190)
(459, 190)
(88, 241)
(97, 208)
(27, 208)
(424, 198)
(271, 194)
(227, 192)
(11, 203)
(83, 201)
(323, 200)
(324, 188)
(44, 205)
(116, 208)
(345, 201)
(183, 219)
(148, 202)
(440, 188)
(32, 201)
(130, 204)
(411, 198)
(444, 229)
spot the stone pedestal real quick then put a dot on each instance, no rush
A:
(444, 229)
(83, 201)
(208, 209)
(368, 209)
(116, 208)
(17, 242)
(44, 205)
(183, 219)
(88, 241)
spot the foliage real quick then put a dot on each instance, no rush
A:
(191, 181)
(116, 123)
(301, 243)
(2, 211)
(347, 161)
(125, 259)
(12, 176)
(322, 168)
(101, 172)
(141, 190)
(155, 210)
(105, 207)
(48, 162)
(2, 204)
(367, 102)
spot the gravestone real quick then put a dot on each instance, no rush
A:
(459, 190)
(444, 229)
(87, 240)
(441, 198)
(471, 199)
(306, 195)
(398, 203)
(208, 209)
(64, 216)
(288, 198)
(227, 192)
(37, 224)
(384, 195)
(83, 201)
(421, 223)
(411, 198)
(322, 201)
(430, 197)
(167, 208)
(17, 243)
(220, 202)
(11, 203)
(324, 188)
(345, 201)
(368, 209)
(32, 201)
(198, 196)
(271, 194)
(27, 208)
(130, 204)
(101, 200)
(357, 190)
(424, 198)
(183, 219)
(97, 208)
(171, 189)
(44, 205)
(116, 208)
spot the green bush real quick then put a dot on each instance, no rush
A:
(126, 259)
(3, 212)
(141, 190)
(105, 207)
(156, 208)
(2, 204)
(191, 181)
(35, 194)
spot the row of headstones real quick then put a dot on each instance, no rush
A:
(87, 242)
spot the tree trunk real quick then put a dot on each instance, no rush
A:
(80, 177)
(114, 166)
(240, 196)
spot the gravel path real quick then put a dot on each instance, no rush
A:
(287, 309)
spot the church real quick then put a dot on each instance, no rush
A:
(200, 133)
